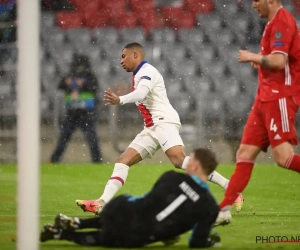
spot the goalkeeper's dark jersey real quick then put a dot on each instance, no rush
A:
(176, 204)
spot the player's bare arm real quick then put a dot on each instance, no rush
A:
(275, 61)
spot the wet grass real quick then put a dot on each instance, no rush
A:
(272, 202)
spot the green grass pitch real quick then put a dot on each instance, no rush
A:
(271, 208)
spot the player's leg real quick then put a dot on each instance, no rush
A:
(172, 144)
(246, 156)
(114, 183)
(140, 148)
(68, 127)
(119, 175)
(282, 132)
(68, 223)
(285, 157)
(255, 139)
(92, 238)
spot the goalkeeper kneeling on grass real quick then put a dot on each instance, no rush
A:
(177, 203)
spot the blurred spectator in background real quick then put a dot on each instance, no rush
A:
(57, 5)
(80, 87)
(8, 15)
(8, 30)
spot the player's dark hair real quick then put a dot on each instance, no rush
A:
(207, 158)
(133, 45)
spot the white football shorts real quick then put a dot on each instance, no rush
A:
(164, 136)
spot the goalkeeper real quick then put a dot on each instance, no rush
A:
(177, 203)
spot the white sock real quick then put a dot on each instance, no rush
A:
(185, 162)
(115, 182)
(216, 178)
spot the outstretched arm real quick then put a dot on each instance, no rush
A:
(201, 236)
(138, 94)
(275, 61)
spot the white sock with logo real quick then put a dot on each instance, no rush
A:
(216, 178)
(185, 162)
(115, 182)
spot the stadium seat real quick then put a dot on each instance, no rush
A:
(115, 8)
(212, 113)
(226, 7)
(187, 68)
(296, 7)
(80, 5)
(184, 20)
(5, 85)
(142, 6)
(48, 68)
(210, 21)
(173, 53)
(184, 68)
(132, 35)
(111, 4)
(97, 19)
(225, 37)
(163, 35)
(289, 6)
(63, 56)
(8, 105)
(216, 70)
(93, 52)
(54, 36)
(125, 20)
(47, 20)
(196, 84)
(91, 6)
(101, 69)
(171, 13)
(183, 102)
(150, 21)
(104, 35)
(193, 36)
(66, 20)
(204, 54)
(112, 52)
(177, 18)
(79, 35)
(196, 6)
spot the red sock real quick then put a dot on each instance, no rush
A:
(293, 162)
(238, 181)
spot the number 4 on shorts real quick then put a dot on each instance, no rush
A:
(273, 126)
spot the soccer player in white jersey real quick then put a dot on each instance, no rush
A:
(161, 127)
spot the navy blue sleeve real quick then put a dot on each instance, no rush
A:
(201, 231)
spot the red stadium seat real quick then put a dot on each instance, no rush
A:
(80, 4)
(183, 20)
(296, 6)
(66, 20)
(92, 6)
(196, 6)
(96, 19)
(139, 6)
(111, 4)
(150, 21)
(170, 13)
(125, 20)
(114, 12)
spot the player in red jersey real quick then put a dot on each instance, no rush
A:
(272, 117)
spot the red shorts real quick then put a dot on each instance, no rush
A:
(271, 123)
